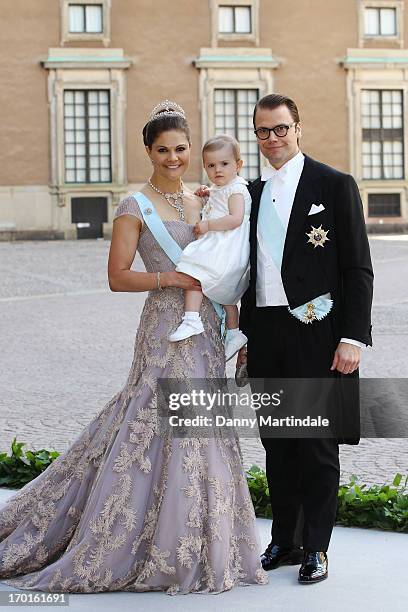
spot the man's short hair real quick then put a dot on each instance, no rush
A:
(272, 101)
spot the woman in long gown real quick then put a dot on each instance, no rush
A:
(126, 509)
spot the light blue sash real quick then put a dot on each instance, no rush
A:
(167, 243)
(273, 236)
(157, 227)
(270, 226)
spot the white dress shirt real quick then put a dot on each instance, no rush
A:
(282, 188)
(282, 185)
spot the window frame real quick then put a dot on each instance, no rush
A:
(363, 73)
(227, 71)
(382, 136)
(250, 37)
(398, 38)
(233, 7)
(77, 68)
(235, 91)
(379, 10)
(67, 36)
(384, 192)
(84, 5)
(88, 156)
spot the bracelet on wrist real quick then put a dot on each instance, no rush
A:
(158, 281)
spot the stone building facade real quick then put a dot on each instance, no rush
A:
(79, 78)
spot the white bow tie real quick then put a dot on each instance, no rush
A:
(270, 172)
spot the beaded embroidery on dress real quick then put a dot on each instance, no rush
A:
(124, 509)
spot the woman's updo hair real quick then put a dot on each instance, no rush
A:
(164, 117)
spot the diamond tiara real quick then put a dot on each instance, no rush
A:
(167, 108)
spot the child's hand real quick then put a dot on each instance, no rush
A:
(202, 192)
(200, 228)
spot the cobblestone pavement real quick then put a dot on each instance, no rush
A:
(67, 345)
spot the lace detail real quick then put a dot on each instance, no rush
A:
(128, 206)
(124, 508)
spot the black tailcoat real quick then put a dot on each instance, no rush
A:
(342, 266)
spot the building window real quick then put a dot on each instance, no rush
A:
(383, 133)
(87, 138)
(234, 19)
(380, 21)
(85, 18)
(233, 115)
(384, 205)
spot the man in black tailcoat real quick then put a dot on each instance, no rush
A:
(306, 314)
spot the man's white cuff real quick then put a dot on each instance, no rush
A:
(354, 342)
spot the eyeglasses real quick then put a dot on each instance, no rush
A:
(263, 133)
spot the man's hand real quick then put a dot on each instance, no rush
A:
(346, 358)
(200, 228)
(242, 357)
(202, 192)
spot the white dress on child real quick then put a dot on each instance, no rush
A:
(220, 259)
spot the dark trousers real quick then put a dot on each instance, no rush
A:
(302, 473)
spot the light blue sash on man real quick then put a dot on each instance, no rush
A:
(167, 243)
(270, 226)
(273, 235)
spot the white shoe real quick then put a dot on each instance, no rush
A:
(187, 328)
(233, 342)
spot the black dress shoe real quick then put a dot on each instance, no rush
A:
(314, 567)
(275, 556)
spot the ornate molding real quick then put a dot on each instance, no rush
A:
(85, 58)
(236, 57)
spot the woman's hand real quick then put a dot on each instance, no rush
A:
(179, 279)
(202, 192)
(200, 228)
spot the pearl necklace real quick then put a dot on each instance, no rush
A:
(174, 199)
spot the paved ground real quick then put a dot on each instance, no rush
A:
(67, 345)
(363, 582)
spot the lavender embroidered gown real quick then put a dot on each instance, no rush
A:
(124, 509)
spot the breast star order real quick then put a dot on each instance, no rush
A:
(318, 236)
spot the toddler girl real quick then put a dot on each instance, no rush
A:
(219, 259)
